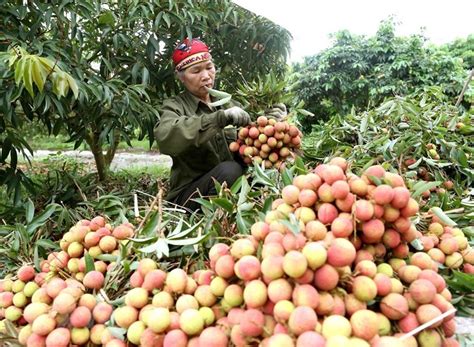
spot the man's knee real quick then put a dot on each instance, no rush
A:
(229, 171)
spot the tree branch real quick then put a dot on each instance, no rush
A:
(465, 88)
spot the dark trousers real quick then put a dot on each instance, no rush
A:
(227, 171)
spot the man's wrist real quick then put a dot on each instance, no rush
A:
(221, 118)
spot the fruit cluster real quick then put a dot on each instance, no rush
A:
(267, 141)
(96, 238)
(448, 246)
(337, 261)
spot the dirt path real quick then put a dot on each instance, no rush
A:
(121, 160)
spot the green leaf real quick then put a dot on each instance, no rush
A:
(246, 206)
(47, 63)
(416, 164)
(177, 229)
(19, 70)
(73, 85)
(150, 248)
(30, 211)
(107, 257)
(241, 224)
(244, 191)
(287, 177)
(299, 165)
(28, 76)
(237, 185)
(106, 18)
(375, 179)
(295, 229)
(41, 219)
(118, 333)
(443, 217)
(167, 19)
(36, 259)
(224, 203)
(154, 42)
(47, 244)
(151, 225)
(39, 74)
(204, 203)
(89, 262)
(424, 187)
(462, 158)
(10, 328)
(145, 76)
(364, 123)
(186, 231)
(162, 248)
(186, 242)
(267, 205)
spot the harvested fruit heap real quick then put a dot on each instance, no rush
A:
(448, 246)
(330, 265)
(269, 141)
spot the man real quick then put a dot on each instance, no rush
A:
(192, 131)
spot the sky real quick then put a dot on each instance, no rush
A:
(311, 22)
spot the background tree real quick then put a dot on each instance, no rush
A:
(464, 49)
(360, 72)
(118, 53)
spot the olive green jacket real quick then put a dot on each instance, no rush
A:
(193, 134)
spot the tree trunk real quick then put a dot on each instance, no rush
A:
(109, 156)
(92, 140)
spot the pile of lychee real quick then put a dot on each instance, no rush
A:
(267, 141)
(334, 263)
(59, 313)
(96, 238)
(448, 246)
(52, 307)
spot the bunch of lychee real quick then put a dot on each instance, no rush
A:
(169, 309)
(448, 246)
(16, 292)
(330, 265)
(60, 314)
(48, 309)
(337, 261)
(267, 141)
(95, 237)
(330, 275)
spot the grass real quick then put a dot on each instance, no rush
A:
(159, 171)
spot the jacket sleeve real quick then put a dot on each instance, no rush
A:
(176, 131)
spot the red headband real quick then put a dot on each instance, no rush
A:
(190, 52)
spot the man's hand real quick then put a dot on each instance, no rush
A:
(236, 116)
(277, 111)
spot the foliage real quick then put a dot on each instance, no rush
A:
(464, 49)
(264, 92)
(64, 194)
(120, 78)
(462, 287)
(248, 199)
(422, 137)
(360, 72)
(173, 234)
(416, 128)
(62, 180)
(30, 237)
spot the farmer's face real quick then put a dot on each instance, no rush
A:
(197, 77)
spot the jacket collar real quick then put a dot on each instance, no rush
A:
(195, 101)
